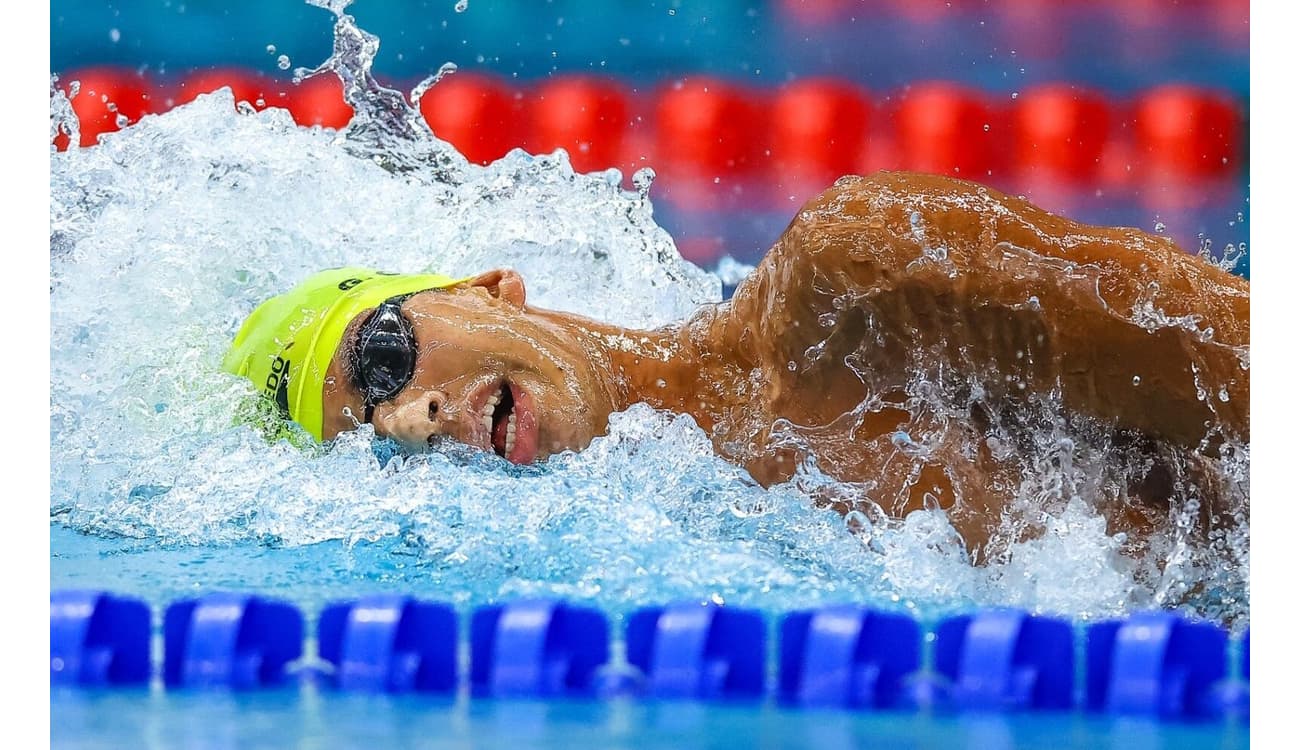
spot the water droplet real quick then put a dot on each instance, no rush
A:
(462, 6)
(282, 62)
(1160, 227)
(791, 366)
(1015, 94)
(672, 11)
(270, 49)
(122, 121)
(986, 127)
(114, 36)
(1137, 380)
(1223, 394)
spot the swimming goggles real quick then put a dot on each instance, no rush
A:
(384, 356)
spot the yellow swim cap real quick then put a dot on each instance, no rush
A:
(286, 345)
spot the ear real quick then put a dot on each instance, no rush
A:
(503, 283)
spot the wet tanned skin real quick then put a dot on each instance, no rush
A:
(877, 282)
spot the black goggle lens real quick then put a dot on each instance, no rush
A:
(385, 355)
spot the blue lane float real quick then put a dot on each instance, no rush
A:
(389, 643)
(844, 656)
(1155, 664)
(97, 639)
(695, 651)
(538, 649)
(1005, 660)
(230, 640)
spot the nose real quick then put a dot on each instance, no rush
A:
(416, 419)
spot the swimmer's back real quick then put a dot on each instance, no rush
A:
(1130, 328)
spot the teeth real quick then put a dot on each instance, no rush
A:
(485, 414)
(510, 433)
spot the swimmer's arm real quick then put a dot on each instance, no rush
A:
(1127, 326)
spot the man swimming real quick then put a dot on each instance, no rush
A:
(914, 337)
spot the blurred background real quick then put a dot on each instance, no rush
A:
(1126, 112)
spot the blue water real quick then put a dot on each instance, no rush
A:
(310, 718)
(307, 716)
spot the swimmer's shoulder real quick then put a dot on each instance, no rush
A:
(978, 224)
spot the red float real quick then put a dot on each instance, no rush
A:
(317, 101)
(587, 117)
(708, 127)
(1037, 29)
(638, 142)
(1230, 21)
(930, 11)
(103, 96)
(479, 115)
(1061, 132)
(944, 128)
(256, 89)
(819, 130)
(1183, 132)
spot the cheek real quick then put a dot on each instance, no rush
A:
(444, 359)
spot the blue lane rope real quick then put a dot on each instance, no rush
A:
(1154, 664)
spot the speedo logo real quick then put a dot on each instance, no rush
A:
(347, 284)
(276, 386)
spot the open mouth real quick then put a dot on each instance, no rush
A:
(504, 422)
(511, 424)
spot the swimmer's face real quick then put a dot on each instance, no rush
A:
(488, 372)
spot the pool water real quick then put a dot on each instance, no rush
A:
(309, 715)
(309, 718)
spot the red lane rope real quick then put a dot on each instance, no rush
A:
(714, 133)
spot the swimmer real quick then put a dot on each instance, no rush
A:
(911, 336)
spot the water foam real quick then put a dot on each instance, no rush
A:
(166, 234)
